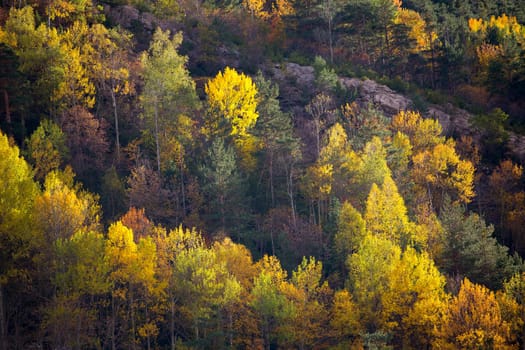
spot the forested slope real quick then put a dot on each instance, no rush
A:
(224, 174)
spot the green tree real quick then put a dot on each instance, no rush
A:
(223, 185)
(275, 131)
(203, 285)
(470, 250)
(169, 91)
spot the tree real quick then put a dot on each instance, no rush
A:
(351, 230)
(345, 324)
(80, 280)
(275, 131)
(86, 140)
(40, 56)
(132, 277)
(169, 91)
(470, 250)
(371, 169)
(107, 54)
(386, 214)
(47, 148)
(370, 268)
(222, 183)
(203, 287)
(147, 191)
(64, 209)
(268, 301)
(515, 289)
(232, 111)
(308, 294)
(473, 320)
(415, 299)
(320, 109)
(17, 236)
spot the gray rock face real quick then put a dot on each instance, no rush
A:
(301, 75)
(453, 120)
(368, 92)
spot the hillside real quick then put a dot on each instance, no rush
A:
(326, 174)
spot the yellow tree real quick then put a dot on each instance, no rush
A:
(351, 230)
(414, 300)
(132, 277)
(241, 325)
(269, 303)
(344, 318)
(307, 292)
(423, 133)
(232, 111)
(386, 214)
(47, 148)
(515, 289)
(473, 320)
(436, 169)
(17, 236)
(64, 209)
(369, 268)
(440, 170)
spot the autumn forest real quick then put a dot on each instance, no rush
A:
(262, 174)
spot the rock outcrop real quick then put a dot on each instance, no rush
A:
(369, 92)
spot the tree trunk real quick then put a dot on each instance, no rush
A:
(157, 143)
(7, 111)
(117, 131)
(3, 333)
(132, 317)
(113, 345)
(330, 39)
(289, 187)
(182, 188)
(271, 180)
(172, 323)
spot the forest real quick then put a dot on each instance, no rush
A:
(201, 174)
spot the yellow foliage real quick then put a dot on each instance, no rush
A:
(415, 297)
(473, 321)
(476, 25)
(344, 315)
(418, 29)
(487, 53)
(423, 133)
(271, 266)
(232, 98)
(61, 210)
(256, 8)
(386, 213)
(506, 25)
